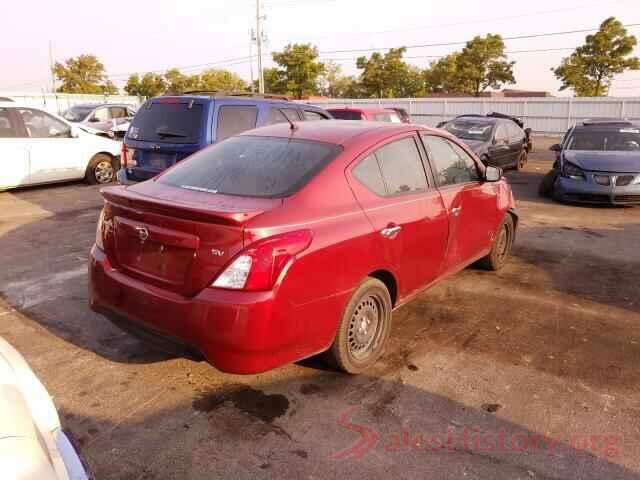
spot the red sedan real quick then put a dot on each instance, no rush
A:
(376, 114)
(292, 240)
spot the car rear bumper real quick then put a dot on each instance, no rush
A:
(235, 331)
(129, 176)
(580, 191)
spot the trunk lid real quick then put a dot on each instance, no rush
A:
(174, 238)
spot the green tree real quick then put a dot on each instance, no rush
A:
(221, 80)
(441, 76)
(590, 69)
(388, 75)
(299, 70)
(178, 82)
(151, 85)
(335, 85)
(83, 74)
(481, 64)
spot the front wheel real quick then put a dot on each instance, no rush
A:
(101, 169)
(501, 246)
(522, 160)
(364, 328)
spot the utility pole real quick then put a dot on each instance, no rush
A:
(251, 39)
(259, 19)
(53, 75)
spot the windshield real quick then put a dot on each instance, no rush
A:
(623, 140)
(248, 166)
(470, 130)
(77, 114)
(167, 122)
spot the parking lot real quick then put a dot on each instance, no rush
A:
(528, 373)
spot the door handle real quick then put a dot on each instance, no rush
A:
(456, 211)
(390, 231)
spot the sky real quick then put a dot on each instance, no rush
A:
(144, 35)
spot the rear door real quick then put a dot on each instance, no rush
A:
(391, 185)
(471, 203)
(164, 132)
(516, 142)
(14, 154)
(500, 152)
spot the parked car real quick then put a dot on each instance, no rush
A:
(598, 161)
(168, 129)
(376, 114)
(33, 445)
(496, 141)
(281, 243)
(103, 117)
(38, 147)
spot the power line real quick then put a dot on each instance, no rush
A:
(188, 67)
(448, 44)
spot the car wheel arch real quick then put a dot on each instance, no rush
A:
(389, 280)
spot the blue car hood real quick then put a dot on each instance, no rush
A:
(615, 162)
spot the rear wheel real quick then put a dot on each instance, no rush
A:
(101, 169)
(364, 328)
(501, 246)
(545, 189)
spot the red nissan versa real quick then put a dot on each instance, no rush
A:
(287, 241)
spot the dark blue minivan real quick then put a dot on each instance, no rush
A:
(168, 129)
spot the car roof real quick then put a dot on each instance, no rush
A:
(338, 132)
(20, 105)
(606, 124)
(479, 119)
(240, 99)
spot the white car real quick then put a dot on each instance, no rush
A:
(33, 445)
(38, 147)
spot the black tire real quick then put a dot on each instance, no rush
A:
(101, 169)
(522, 160)
(545, 189)
(354, 348)
(501, 246)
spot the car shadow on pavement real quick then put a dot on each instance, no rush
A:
(327, 425)
(45, 238)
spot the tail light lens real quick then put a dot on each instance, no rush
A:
(99, 240)
(259, 265)
(126, 156)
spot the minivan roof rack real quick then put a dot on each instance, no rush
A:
(221, 93)
(607, 121)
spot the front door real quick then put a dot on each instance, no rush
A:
(14, 156)
(390, 183)
(500, 151)
(472, 204)
(54, 154)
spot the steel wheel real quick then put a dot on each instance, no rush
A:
(104, 172)
(502, 243)
(501, 246)
(364, 331)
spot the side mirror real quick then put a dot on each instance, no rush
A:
(556, 147)
(492, 174)
(74, 132)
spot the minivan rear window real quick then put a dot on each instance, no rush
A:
(269, 167)
(168, 123)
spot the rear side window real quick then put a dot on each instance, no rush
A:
(452, 165)
(387, 117)
(167, 122)
(234, 119)
(311, 115)
(252, 166)
(346, 115)
(277, 115)
(394, 169)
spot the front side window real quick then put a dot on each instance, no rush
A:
(77, 113)
(268, 167)
(452, 165)
(501, 134)
(387, 117)
(42, 125)
(101, 115)
(8, 129)
(234, 119)
(118, 112)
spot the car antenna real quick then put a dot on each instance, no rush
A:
(294, 127)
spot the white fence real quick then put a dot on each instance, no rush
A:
(550, 115)
(59, 102)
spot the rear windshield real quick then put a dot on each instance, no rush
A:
(469, 130)
(167, 122)
(623, 140)
(77, 113)
(346, 115)
(252, 166)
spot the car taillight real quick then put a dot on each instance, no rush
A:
(99, 240)
(126, 157)
(259, 265)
